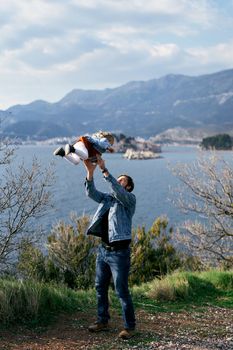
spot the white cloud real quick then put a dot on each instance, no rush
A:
(194, 9)
(50, 46)
(36, 11)
(220, 53)
(164, 50)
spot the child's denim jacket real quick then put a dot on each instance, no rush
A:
(100, 144)
(121, 205)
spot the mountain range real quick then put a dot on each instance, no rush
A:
(199, 105)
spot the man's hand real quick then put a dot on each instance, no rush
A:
(102, 167)
(101, 163)
(90, 167)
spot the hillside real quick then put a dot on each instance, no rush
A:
(157, 330)
(202, 105)
(190, 311)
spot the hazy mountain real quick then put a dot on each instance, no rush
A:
(142, 108)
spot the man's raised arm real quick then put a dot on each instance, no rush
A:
(91, 191)
(126, 198)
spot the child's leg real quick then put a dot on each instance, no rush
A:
(73, 158)
(81, 150)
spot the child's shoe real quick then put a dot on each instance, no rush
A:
(69, 149)
(59, 152)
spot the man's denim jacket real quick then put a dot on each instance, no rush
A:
(121, 205)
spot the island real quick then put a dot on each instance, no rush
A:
(217, 142)
(123, 143)
(131, 154)
(136, 147)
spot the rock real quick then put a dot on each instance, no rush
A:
(123, 143)
(131, 154)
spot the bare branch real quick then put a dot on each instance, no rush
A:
(207, 191)
(24, 197)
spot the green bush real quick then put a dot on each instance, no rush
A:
(31, 262)
(72, 254)
(70, 260)
(152, 252)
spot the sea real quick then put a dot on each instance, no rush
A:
(155, 184)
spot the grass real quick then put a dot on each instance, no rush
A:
(186, 290)
(190, 286)
(36, 303)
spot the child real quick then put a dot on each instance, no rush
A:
(87, 147)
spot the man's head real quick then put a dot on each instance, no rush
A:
(126, 181)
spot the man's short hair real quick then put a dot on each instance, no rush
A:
(130, 182)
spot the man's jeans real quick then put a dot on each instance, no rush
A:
(115, 264)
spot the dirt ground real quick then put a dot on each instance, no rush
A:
(196, 330)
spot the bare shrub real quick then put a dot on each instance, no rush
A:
(24, 197)
(207, 191)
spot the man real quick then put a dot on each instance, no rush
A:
(112, 222)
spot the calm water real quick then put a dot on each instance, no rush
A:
(153, 183)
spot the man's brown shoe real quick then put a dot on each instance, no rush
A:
(98, 327)
(126, 333)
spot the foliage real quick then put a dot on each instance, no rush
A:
(218, 142)
(187, 285)
(34, 301)
(220, 279)
(73, 253)
(207, 191)
(71, 256)
(152, 252)
(31, 262)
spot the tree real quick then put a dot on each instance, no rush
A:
(24, 197)
(219, 142)
(153, 253)
(207, 190)
(73, 253)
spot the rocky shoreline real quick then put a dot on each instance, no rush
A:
(131, 154)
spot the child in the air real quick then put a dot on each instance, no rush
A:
(87, 147)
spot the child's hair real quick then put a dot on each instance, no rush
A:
(109, 136)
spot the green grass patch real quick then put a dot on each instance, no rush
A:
(220, 279)
(36, 303)
(184, 289)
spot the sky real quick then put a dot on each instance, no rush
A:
(50, 47)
